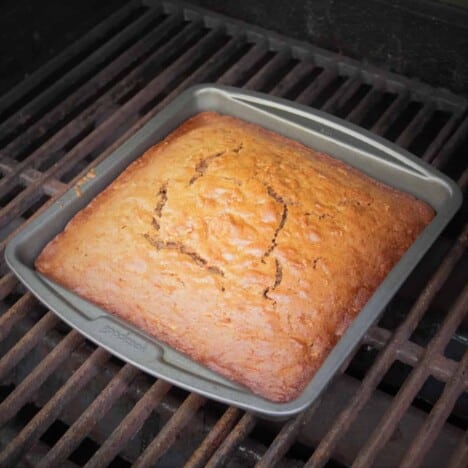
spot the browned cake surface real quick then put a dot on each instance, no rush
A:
(247, 251)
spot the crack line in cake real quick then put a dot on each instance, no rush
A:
(202, 166)
(274, 195)
(319, 216)
(266, 296)
(162, 195)
(281, 224)
(159, 244)
(278, 279)
(278, 274)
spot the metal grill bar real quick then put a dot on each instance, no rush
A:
(22, 394)
(451, 145)
(317, 86)
(83, 94)
(7, 284)
(219, 432)
(166, 437)
(341, 96)
(98, 81)
(442, 137)
(16, 313)
(410, 353)
(98, 408)
(411, 387)
(463, 180)
(460, 455)
(32, 108)
(300, 71)
(36, 452)
(42, 420)
(263, 76)
(416, 125)
(386, 357)
(43, 73)
(129, 426)
(238, 71)
(23, 346)
(371, 98)
(222, 57)
(241, 430)
(389, 116)
(286, 437)
(7, 165)
(428, 433)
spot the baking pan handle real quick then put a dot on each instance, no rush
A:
(349, 133)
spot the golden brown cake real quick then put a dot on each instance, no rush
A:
(247, 251)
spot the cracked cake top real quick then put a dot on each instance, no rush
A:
(245, 250)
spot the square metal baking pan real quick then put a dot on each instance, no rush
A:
(372, 155)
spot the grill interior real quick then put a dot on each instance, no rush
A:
(402, 397)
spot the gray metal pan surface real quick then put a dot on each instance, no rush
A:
(368, 153)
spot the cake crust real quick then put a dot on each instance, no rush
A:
(247, 251)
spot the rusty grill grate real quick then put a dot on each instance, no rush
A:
(65, 402)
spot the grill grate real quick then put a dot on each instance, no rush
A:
(63, 401)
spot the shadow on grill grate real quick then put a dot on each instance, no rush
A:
(65, 402)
